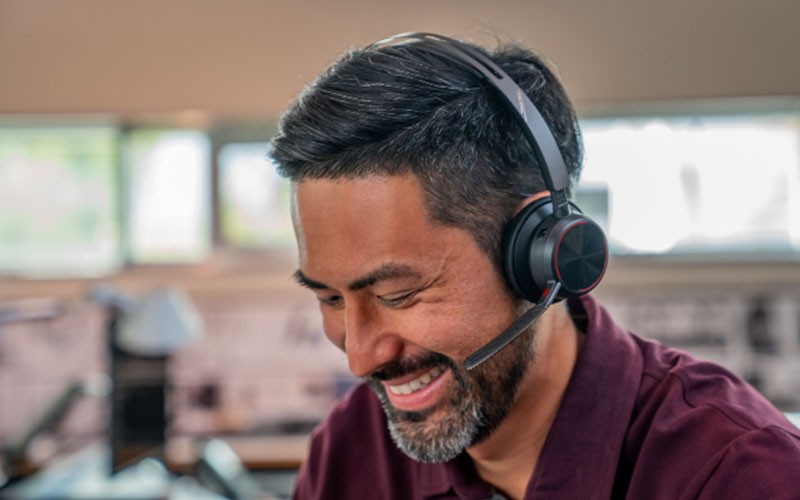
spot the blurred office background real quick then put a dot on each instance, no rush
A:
(133, 141)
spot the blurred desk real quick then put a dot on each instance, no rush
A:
(257, 452)
(85, 474)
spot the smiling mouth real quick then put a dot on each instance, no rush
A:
(416, 384)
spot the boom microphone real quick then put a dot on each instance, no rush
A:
(515, 330)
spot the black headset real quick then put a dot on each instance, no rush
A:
(550, 249)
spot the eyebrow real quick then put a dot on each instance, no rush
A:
(307, 282)
(382, 273)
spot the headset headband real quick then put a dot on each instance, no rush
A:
(536, 131)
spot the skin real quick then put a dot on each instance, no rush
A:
(394, 286)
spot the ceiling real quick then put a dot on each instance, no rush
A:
(251, 57)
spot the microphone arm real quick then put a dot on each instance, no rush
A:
(515, 330)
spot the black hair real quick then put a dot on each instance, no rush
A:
(400, 109)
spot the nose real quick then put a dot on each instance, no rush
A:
(370, 341)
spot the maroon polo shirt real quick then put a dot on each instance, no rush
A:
(638, 421)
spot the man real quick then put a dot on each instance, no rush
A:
(406, 167)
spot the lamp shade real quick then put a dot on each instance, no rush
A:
(158, 324)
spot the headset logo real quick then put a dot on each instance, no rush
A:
(521, 103)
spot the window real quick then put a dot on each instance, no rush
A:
(58, 201)
(695, 184)
(254, 199)
(169, 208)
(83, 200)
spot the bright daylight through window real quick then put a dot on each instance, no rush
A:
(169, 189)
(724, 183)
(58, 201)
(254, 199)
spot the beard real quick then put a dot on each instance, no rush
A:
(478, 401)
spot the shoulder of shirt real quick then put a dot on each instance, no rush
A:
(761, 463)
(710, 386)
(783, 445)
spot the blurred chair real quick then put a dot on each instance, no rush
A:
(142, 333)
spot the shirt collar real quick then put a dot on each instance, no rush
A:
(582, 450)
(456, 477)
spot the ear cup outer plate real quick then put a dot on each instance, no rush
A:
(580, 256)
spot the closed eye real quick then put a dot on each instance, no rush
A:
(398, 300)
(330, 300)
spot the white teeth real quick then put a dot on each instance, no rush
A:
(417, 383)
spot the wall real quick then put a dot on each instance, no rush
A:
(251, 57)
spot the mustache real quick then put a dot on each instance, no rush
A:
(409, 365)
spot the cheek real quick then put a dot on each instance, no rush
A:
(456, 329)
(483, 310)
(333, 326)
(447, 332)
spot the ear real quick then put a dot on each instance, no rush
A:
(530, 199)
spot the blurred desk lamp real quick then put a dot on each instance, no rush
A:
(142, 333)
(157, 324)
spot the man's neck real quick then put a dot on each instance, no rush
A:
(508, 457)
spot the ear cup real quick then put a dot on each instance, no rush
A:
(518, 238)
(539, 247)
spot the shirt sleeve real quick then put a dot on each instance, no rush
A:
(761, 464)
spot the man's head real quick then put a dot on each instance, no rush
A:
(400, 109)
(405, 168)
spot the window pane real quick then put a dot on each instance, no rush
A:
(708, 184)
(58, 201)
(169, 205)
(254, 199)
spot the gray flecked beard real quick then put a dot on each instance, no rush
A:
(479, 402)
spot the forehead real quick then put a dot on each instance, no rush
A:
(373, 195)
(346, 225)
